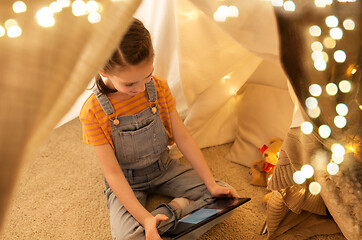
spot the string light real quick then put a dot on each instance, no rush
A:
(314, 113)
(337, 159)
(14, 31)
(298, 177)
(324, 131)
(315, 188)
(94, 17)
(332, 168)
(320, 64)
(311, 102)
(340, 121)
(342, 109)
(306, 128)
(332, 21)
(348, 24)
(315, 90)
(45, 17)
(289, 6)
(2, 31)
(224, 12)
(19, 7)
(329, 42)
(345, 86)
(277, 3)
(307, 171)
(338, 150)
(339, 56)
(315, 31)
(336, 33)
(331, 89)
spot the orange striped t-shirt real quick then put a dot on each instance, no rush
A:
(96, 124)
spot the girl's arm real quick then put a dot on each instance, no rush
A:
(121, 188)
(193, 154)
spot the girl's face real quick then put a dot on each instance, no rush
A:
(131, 80)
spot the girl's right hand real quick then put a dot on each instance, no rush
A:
(151, 224)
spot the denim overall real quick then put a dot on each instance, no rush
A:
(141, 148)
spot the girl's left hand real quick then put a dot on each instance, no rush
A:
(220, 191)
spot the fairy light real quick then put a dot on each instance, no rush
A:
(307, 171)
(79, 8)
(342, 109)
(233, 11)
(353, 71)
(332, 168)
(10, 22)
(345, 86)
(337, 159)
(324, 131)
(336, 33)
(14, 31)
(331, 89)
(19, 7)
(298, 177)
(311, 102)
(315, 188)
(329, 42)
(320, 64)
(306, 128)
(339, 56)
(289, 6)
(277, 3)
(317, 46)
(340, 121)
(55, 7)
(92, 6)
(315, 31)
(64, 3)
(348, 24)
(317, 55)
(94, 17)
(338, 150)
(224, 12)
(314, 113)
(320, 3)
(315, 90)
(332, 21)
(45, 17)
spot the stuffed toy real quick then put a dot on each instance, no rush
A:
(262, 170)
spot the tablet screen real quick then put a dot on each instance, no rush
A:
(199, 215)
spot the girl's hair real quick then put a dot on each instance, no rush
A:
(135, 47)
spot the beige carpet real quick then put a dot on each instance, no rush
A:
(59, 194)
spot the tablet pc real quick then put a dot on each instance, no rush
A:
(201, 217)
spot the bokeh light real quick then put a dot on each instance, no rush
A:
(315, 31)
(329, 42)
(317, 46)
(336, 33)
(306, 127)
(338, 150)
(277, 3)
(348, 24)
(314, 113)
(298, 177)
(19, 7)
(45, 17)
(2, 31)
(55, 7)
(340, 121)
(345, 86)
(79, 8)
(94, 17)
(14, 31)
(92, 6)
(289, 6)
(320, 64)
(332, 168)
(315, 90)
(10, 22)
(340, 56)
(315, 188)
(342, 109)
(332, 21)
(311, 102)
(337, 159)
(331, 89)
(307, 171)
(324, 131)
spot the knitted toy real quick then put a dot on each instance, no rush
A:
(262, 170)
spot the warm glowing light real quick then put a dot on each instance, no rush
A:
(233, 91)
(315, 31)
(348, 24)
(314, 113)
(324, 131)
(360, 107)
(277, 3)
(307, 171)
(225, 78)
(317, 55)
(219, 16)
(331, 89)
(320, 3)
(14, 31)
(306, 127)
(340, 56)
(340, 121)
(45, 17)
(342, 109)
(315, 90)
(317, 46)
(332, 21)
(338, 150)
(10, 22)
(92, 6)
(94, 17)
(315, 188)
(353, 71)
(2, 31)
(345, 86)
(289, 6)
(311, 102)
(337, 159)
(79, 8)
(298, 177)
(320, 64)
(19, 7)
(336, 33)
(332, 168)
(233, 11)
(55, 7)
(64, 3)
(329, 42)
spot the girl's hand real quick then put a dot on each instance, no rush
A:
(220, 191)
(151, 226)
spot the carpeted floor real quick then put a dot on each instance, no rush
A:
(59, 194)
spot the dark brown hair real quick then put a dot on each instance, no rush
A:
(135, 47)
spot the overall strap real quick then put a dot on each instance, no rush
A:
(151, 91)
(104, 101)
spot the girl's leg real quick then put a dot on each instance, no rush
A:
(180, 180)
(124, 226)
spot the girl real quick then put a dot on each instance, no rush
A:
(131, 119)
